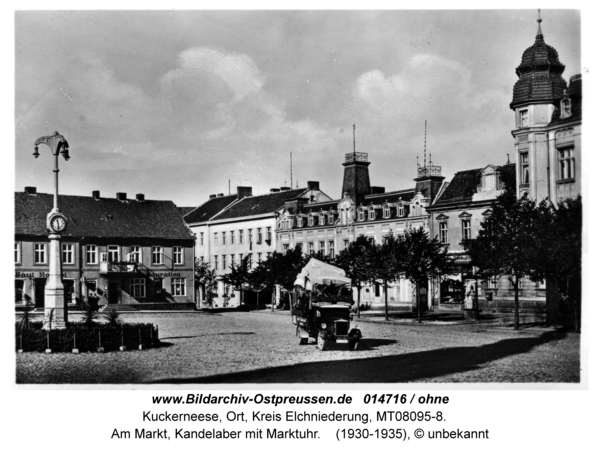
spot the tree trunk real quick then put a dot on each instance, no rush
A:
(358, 288)
(257, 300)
(418, 303)
(517, 278)
(385, 293)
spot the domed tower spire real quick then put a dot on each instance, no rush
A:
(540, 74)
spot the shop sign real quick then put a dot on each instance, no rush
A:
(35, 275)
(167, 274)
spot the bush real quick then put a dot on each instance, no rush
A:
(86, 338)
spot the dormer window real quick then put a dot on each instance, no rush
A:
(322, 219)
(300, 222)
(400, 209)
(361, 214)
(565, 108)
(386, 211)
(371, 213)
(330, 218)
(416, 209)
(311, 220)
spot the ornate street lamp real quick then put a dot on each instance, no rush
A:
(56, 315)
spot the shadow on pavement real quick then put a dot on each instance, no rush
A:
(385, 369)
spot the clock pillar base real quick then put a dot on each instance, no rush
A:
(56, 313)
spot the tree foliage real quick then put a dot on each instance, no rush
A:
(205, 278)
(355, 260)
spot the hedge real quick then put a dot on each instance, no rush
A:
(86, 338)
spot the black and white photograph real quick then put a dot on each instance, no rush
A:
(316, 198)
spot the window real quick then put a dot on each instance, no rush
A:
(91, 254)
(330, 221)
(400, 209)
(259, 257)
(524, 118)
(268, 255)
(361, 215)
(249, 260)
(346, 243)
(372, 214)
(286, 247)
(416, 209)
(371, 239)
(39, 251)
(241, 257)
(268, 234)
(135, 254)
(232, 237)
(178, 286)
(232, 256)
(224, 238)
(322, 219)
(466, 229)
(19, 286)
(68, 254)
(241, 237)
(178, 255)
(216, 262)
(201, 238)
(158, 256)
(137, 287)
(331, 249)
(250, 236)
(216, 238)
(113, 253)
(565, 108)
(311, 248)
(444, 232)
(524, 156)
(566, 163)
(224, 262)
(322, 247)
(386, 211)
(300, 222)
(17, 253)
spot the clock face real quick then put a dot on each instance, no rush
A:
(58, 223)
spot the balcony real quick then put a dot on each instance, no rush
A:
(117, 266)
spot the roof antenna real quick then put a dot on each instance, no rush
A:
(354, 140)
(229, 187)
(508, 158)
(291, 176)
(425, 146)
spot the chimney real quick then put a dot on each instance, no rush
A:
(244, 191)
(285, 188)
(122, 196)
(274, 190)
(314, 185)
(220, 195)
(211, 196)
(96, 195)
(31, 190)
(140, 197)
(377, 190)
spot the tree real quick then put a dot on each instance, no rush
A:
(420, 259)
(205, 278)
(509, 241)
(238, 276)
(560, 254)
(355, 262)
(384, 263)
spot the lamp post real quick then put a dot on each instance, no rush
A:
(56, 315)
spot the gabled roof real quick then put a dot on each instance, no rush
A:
(464, 184)
(105, 217)
(209, 209)
(261, 204)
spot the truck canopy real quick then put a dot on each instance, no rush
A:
(318, 272)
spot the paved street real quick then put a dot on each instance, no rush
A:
(251, 347)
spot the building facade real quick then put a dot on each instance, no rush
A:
(548, 118)
(245, 225)
(113, 250)
(366, 210)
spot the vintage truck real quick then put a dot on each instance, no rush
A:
(322, 300)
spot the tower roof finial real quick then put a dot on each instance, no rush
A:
(539, 21)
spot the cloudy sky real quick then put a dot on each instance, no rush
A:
(175, 104)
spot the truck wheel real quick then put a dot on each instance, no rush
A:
(353, 344)
(321, 342)
(301, 340)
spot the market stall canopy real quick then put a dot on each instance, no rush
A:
(318, 272)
